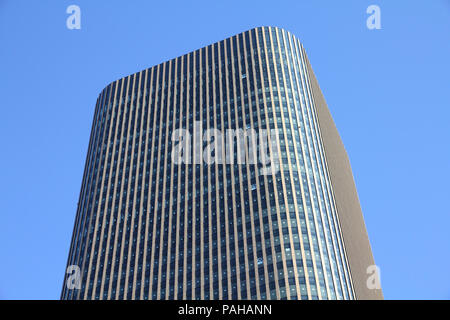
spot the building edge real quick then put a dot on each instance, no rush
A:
(192, 52)
(351, 220)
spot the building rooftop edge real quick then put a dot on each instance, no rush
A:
(191, 52)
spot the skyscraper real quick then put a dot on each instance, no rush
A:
(157, 219)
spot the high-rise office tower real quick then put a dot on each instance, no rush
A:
(172, 205)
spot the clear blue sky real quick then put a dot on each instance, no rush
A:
(387, 89)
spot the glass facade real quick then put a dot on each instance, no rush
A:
(147, 228)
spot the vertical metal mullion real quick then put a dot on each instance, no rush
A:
(143, 147)
(111, 135)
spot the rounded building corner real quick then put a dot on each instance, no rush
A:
(280, 29)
